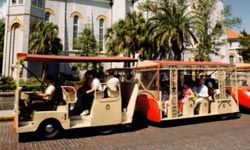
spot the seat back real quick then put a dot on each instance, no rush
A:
(69, 94)
(111, 91)
(188, 107)
(204, 106)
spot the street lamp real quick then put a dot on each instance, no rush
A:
(111, 3)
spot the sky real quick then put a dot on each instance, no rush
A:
(2, 8)
(241, 9)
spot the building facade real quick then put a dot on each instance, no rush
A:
(71, 16)
(234, 46)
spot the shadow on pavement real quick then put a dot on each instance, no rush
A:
(192, 121)
(88, 132)
(244, 110)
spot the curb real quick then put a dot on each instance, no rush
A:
(2, 119)
(6, 115)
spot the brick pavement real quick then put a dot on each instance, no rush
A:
(213, 135)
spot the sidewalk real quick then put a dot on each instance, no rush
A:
(6, 115)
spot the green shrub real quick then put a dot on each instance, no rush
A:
(31, 84)
(7, 84)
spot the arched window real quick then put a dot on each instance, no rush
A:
(40, 3)
(101, 34)
(75, 26)
(231, 59)
(47, 16)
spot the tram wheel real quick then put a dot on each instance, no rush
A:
(49, 129)
(236, 115)
(224, 117)
(23, 137)
(106, 129)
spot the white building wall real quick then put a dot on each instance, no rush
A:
(119, 10)
(222, 57)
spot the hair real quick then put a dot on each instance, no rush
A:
(93, 73)
(49, 77)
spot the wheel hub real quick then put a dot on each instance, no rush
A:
(49, 128)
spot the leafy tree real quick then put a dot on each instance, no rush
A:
(2, 28)
(245, 42)
(44, 39)
(230, 21)
(126, 36)
(210, 31)
(172, 26)
(86, 42)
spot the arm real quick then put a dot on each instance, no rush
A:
(95, 83)
(48, 93)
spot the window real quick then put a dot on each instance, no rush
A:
(39, 3)
(13, 2)
(101, 34)
(75, 26)
(231, 59)
(47, 16)
(33, 2)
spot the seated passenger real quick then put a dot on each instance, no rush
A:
(165, 90)
(47, 95)
(201, 91)
(211, 89)
(42, 101)
(80, 105)
(95, 85)
(186, 93)
(112, 81)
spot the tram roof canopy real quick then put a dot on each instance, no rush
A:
(163, 63)
(240, 66)
(62, 58)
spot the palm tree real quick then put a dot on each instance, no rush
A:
(172, 25)
(126, 35)
(44, 39)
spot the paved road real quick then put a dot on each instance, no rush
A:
(202, 134)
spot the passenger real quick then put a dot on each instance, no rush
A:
(186, 93)
(201, 91)
(244, 83)
(42, 101)
(95, 85)
(211, 90)
(129, 77)
(80, 105)
(47, 95)
(165, 90)
(164, 84)
(112, 81)
(101, 74)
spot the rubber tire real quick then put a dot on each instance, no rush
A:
(49, 135)
(224, 117)
(23, 137)
(106, 130)
(236, 115)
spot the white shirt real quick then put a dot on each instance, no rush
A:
(202, 91)
(112, 83)
(96, 84)
(49, 90)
